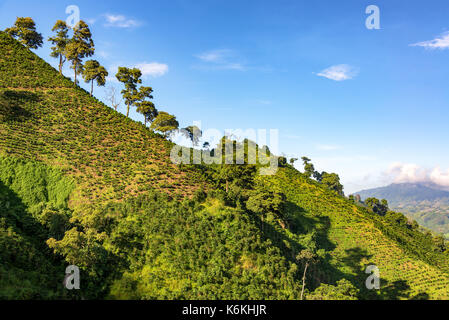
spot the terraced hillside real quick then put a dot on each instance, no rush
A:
(44, 117)
(357, 238)
(82, 184)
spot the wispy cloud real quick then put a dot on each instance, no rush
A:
(91, 20)
(224, 59)
(339, 72)
(120, 21)
(153, 69)
(441, 42)
(216, 56)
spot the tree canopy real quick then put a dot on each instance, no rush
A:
(60, 41)
(130, 78)
(79, 47)
(165, 123)
(193, 133)
(93, 71)
(24, 30)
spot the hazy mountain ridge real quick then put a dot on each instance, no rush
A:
(426, 203)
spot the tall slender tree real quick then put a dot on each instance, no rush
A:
(145, 107)
(79, 47)
(24, 30)
(60, 41)
(93, 71)
(307, 257)
(130, 78)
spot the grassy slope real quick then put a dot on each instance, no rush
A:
(356, 241)
(111, 157)
(44, 117)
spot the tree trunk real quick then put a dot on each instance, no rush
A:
(304, 280)
(127, 110)
(92, 88)
(76, 68)
(60, 64)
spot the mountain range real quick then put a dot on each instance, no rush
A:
(426, 203)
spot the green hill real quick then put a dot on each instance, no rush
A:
(428, 205)
(82, 184)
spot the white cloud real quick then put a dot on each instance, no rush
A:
(216, 56)
(439, 177)
(91, 20)
(413, 173)
(441, 42)
(223, 59)
(339, 72)
(120, 21)
(153, 69)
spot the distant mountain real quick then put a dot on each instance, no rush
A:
(428, 204)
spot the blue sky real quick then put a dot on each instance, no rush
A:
(275, 65)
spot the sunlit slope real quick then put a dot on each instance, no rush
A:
(357, 238)
(44, 117)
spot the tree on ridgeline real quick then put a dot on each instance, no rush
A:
(332, 182)
(24, 30)
(145, 107)
(60, 41)
(79, 47)
(165, 123)
(377, 206)
(293, 160)
(309, 169)
(130, 78)
(93, 71)
(193, 133)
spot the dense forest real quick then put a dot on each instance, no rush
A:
(82, 184)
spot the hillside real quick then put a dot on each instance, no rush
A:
(82, 184)
(428, 205)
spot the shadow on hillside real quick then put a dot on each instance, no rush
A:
(357, 259)
(302, 225)
(11, 105)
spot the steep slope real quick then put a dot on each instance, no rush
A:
(44, 117)
(110, 201)
(358, 238)
(428, 205)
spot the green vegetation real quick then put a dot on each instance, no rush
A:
(33, 206)
(427, 204)
(24, 30)
(80, 46)
(82, 184)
